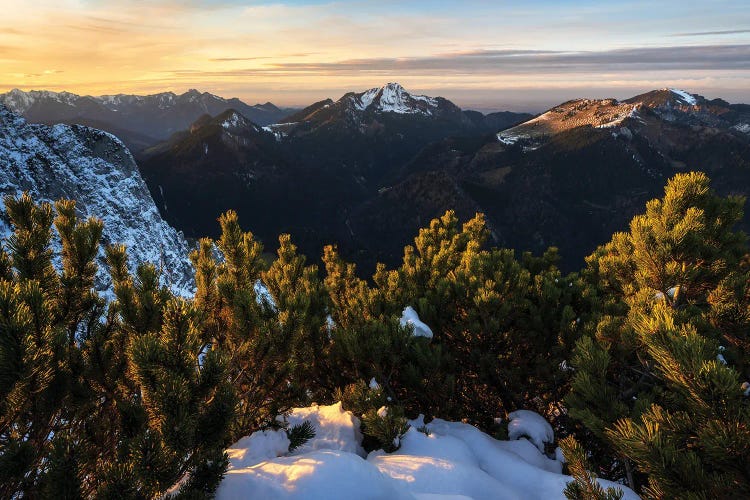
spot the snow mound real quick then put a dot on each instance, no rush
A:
(320, 475)
(258, 447)
(455, 461)
(526, 423)
(410, 318)
(335, 428)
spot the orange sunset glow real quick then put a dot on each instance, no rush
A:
(482, 54)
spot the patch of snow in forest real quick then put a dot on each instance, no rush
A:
(526, 423)
(455, 460)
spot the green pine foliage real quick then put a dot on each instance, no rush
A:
(262, 352)
(386, 425)
(663, 411)
(300, 434)
(584, 485)
(367, 340)
(696, 443)
(44, 316)
(300, 303)
(502, 326)
(100, 402)
(383, 421)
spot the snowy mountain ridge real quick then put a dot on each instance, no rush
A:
(598, 113)
(667, 104)
(95, 169)
(685, 97)
(372, 109)
(20, 101)
(393, 98)
(234, 120)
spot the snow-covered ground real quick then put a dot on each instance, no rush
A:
(452, 460)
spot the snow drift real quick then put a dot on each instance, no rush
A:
(451, 460)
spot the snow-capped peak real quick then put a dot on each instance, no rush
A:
(685, 97)
(393, 98)
(19, 101)
(233, 122)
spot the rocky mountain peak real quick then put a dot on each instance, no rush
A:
(393, 98)
(667, 98)
(232, 120)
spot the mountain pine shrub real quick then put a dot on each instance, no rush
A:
(97, 401)
(657, 379)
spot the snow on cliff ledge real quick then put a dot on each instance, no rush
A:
(454, 461)
(685, 97)
(97, 170)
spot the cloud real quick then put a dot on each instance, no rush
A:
(707, 33)
(256, 58)
(46, 72)
(519, 62)
(231, 59)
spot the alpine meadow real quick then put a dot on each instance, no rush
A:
(238, 260)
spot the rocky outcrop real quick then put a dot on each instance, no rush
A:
(97, 170)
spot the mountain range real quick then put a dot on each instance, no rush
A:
(367, 170)
(580, 171)
(306, 174)
(139, 121)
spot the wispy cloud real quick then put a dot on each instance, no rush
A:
(231, 59)
(517, 62)
(258, 58)
(708, 33)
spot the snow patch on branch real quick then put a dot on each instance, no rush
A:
(410, 318)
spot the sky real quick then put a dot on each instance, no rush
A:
(481, 54)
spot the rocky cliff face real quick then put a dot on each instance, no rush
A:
(97, 170)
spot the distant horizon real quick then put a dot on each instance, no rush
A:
(480, 54)
(528, 105)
